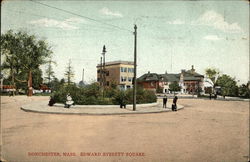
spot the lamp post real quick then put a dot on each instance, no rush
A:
(103, 69)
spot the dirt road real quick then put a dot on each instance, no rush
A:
(205, 130)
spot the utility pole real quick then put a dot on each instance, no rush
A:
(134, 86)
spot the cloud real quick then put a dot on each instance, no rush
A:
(217, 21)
(67, 24)
(75, 20)
(212, 37)
(106, 11)
(176, 22)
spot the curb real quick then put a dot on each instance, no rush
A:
(109, 106)
(96, 113)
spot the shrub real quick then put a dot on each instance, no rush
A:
(120, 98)
(76, 93)
(142, 96)
(91, 95)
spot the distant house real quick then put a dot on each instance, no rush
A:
(8, 88)
(189, 81)
(43, 88)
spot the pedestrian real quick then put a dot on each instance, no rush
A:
(51, 101)
(210, 96)
(215, 95)
(69, 101)
(174, 105)
(165, 99)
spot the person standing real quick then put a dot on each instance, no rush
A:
(165, 99)
(174, 105)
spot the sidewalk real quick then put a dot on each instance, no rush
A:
(42, 107)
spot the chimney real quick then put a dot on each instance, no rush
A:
(192, 70)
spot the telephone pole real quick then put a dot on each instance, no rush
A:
(134, 86)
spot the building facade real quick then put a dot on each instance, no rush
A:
(189, 81)
(118, 73)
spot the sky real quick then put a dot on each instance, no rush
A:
(171, 35)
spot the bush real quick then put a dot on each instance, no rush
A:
(92, 95)
(142, 96)
(120, 98)
(76, 93)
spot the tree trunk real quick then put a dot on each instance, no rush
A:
(30, 89)
(13, 81)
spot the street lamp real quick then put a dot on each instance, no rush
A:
(103, 69)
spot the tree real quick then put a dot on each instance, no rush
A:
(228, 85)
(23, 53)
(174, 87)
(212, 73)
(244, 91)
(69, 73)
(49, 73)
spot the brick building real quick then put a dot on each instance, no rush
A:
(189, 81)
(119, 73)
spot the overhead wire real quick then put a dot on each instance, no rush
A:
(69, 12)
(91, 27)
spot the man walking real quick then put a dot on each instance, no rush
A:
(165, 99)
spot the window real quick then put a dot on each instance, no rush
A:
(130, 70)
(98, 71)
(107, 83)
(123, 79)
(107, 73)
(123, 69)
(98, 79)
(130, 79)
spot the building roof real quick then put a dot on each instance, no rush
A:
(192, 73)
(170, 77)
(117, 63)
(191, 78)
(148, 77)
(188, 76)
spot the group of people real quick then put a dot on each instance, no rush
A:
(174, 105)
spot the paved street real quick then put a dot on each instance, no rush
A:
(205, 130)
